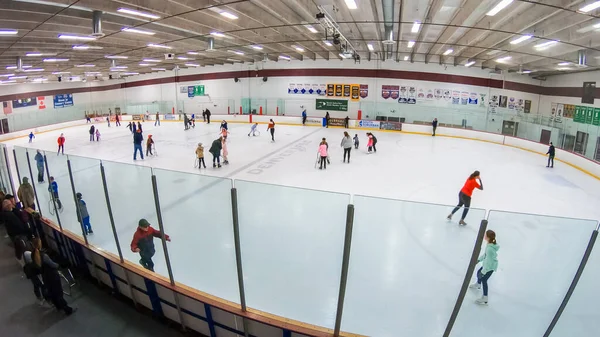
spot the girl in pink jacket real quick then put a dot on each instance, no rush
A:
(323, 154)
(370, 142)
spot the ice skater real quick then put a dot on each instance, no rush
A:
(149, 144)
(186, 122)
(147, 115)
(31, 136)
(224, 125)
(200, 156)
(346, 122)
(92, 130)
(323, 154)
(61, 144)
(304, 117)
(193, 121)
(143, 243)
(327, 119)
(347, 145)
(53, 189)
(464, 196)
(137, 144)
(225, 151)
(356, 141)
(489, 265)
(215, 150)
(97, 135)
(157, 119)
(117, 121)
(207, 112)
(83, 217)
(87, 118)
(130, 127)
(550, 153)
(253, 130)
(271, 127)
(139, 127)
(434, 125)
(369, 142)
(39, 161)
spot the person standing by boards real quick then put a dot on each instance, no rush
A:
(434, 125)
(31, 136)
(157, 119)
(464, 196)
(92, 133)
(61, 144)
(346, 122)
(327, 119)
(271, 127)
(117, 120)
(39, 162)
(347, 145)
(143, 243)
(550, 153)
(304, 117)
(207, 112)
(489, 264)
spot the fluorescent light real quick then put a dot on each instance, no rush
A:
(217, 34)
(311, 29)
(130, 74)
(61, 72)
(503, 59)
(236, 52)
(39, 79)
(7, 75)
(8, 32)
(415, 27)
(229, 15)
(153, 45)
(76, 37)
(7, 81)
(300, 49)
(284, 57)
(563, 68)
(83, 47)
(145, 64)
(192, 65)
(16, 77)
(596, 25)
(33, 70)
(137, 31)
(448, 52)
(500, 6)
(410, 44)
(370, 46)
(521, 39)
(564, 63)
(85, 65)
(344, 56)
(544, 45)
(116, 57)
(257, 47)
(15, 67)
(134, 12)
(327, 43)
(159, 69)
(351, 4)
(34, 54)
(493, 52)
(118, 67)
(55, 60)
(405, 58)
(526, 72)
(151, 60)
(183, 58)
(470, 63)
(590, 7)
(193, 53)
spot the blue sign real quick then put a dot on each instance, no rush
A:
(191, 91)
(63, 100)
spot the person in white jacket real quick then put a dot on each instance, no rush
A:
(489, 261)
(347, 145)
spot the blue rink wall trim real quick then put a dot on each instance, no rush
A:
(152, 293)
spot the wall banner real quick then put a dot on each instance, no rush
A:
(331, 104)
(412, 95)
(390, 91)
(403, 98)
(464, 98)
(354, 92)
(364, 90)
(455, 97)
(473, 98)
(41, 100)
(396, 126)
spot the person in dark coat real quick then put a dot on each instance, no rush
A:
(434, 125)
(50, 277)
(92, 131)
(15, 228)
(139, 127)
(117, 120)
(215, 150)
(207, 112)
(39, 161)
(550, 153)
(143, 243)
(327, 119)
(133, 127)
(137, 144)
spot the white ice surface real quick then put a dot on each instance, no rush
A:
(407, 167)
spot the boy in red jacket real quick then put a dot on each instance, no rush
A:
(143, 243)
(61, 144)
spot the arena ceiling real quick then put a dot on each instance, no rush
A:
(535, 38)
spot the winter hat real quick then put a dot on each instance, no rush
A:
(25, 180)
(149, 136)
(78, 195)
(199, 144)
(143, 223)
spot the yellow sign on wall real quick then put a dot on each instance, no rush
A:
(351, 91)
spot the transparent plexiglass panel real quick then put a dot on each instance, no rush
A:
(87, 179)
(407, 265)
(5, 186)
(292, 244)
(132, 199)
(196, 211)
(537, 260)
(581, 316)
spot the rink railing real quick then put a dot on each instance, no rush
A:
(366, 265)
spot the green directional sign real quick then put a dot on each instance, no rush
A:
(579, 114)
(589, 116)
(199, 90)
(332, 104)
(596, 120)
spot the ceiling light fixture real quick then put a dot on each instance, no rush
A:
(193, 53)
(118, 67)
(500, 6)
(34, 54)
(563, 68)
(493, 52)
(311, 29)
(285, 57)
(76, 37)
(257, 47)
(127, 74)
(415, 27)
(145, 64)
(327, 43)
(8, 32)
(405, 58)
(15, 67)
(410, 44)
(16, 77)
(192, 65)
(470, 63)
(590, 7)
(153, 45)
(137, 31)
(82, 47)
(85, 65)
(229, 15)
(217, 34)
(300, 49)
(344, 56)
(526, 72)
(159, 69)
(236, 52)
(448, 52)
(7, 75)
(7, 81)
(39, 79)
(61, 72)
(151, 60)
(122, 57)
(351, 4)
(504, 59)
(370, 46)
(138, 13)
(545, 45)
(521, 39)
(564, 63)
(183, 58)
(33, 70)
(55, 60)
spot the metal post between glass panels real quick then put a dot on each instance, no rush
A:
(467, 279)
(37, 200)
(110, 213)
(12, 185)
(17, 165)
(573, 285)
(52, 194)
(164, 244)
(77, 209)
(345, 265)
(238, 251)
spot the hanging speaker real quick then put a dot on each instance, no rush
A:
(110, 76)
(265, 79)
(236, 80)
(60, 78)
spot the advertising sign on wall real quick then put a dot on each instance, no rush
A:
(527, 107)
(63, 100)
(137, 117)
(390, 91)
(339, 90)
(369, 124)
(354, 92)
(21, 103)
(596, 120)
(336, 121)
(41, 100)
(332, 104)
(195, 90)
(170, 117)
(7, 107)
(396, 126)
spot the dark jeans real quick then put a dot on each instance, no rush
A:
(157, 122)
(465, 200)
(56, 199)
(91, 137)
(356, 145)
(435, 127)
(38, 287)
(201, 162)
(136, 148)
(40, 174)
(347, 152)
(146, 260)
(216, 158)
(326, 122)
(303, 120)
(346, 124)
(550, 161)
(482, 279)
(323, 162)
(61, 148)
(208, 119)
(374, 147)
(272, 134)
(149, 150)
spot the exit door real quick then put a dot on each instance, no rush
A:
(597, 154)
(581, 142)
(510, 128)
(545, 137)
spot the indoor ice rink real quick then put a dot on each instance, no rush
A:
(270, 244)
